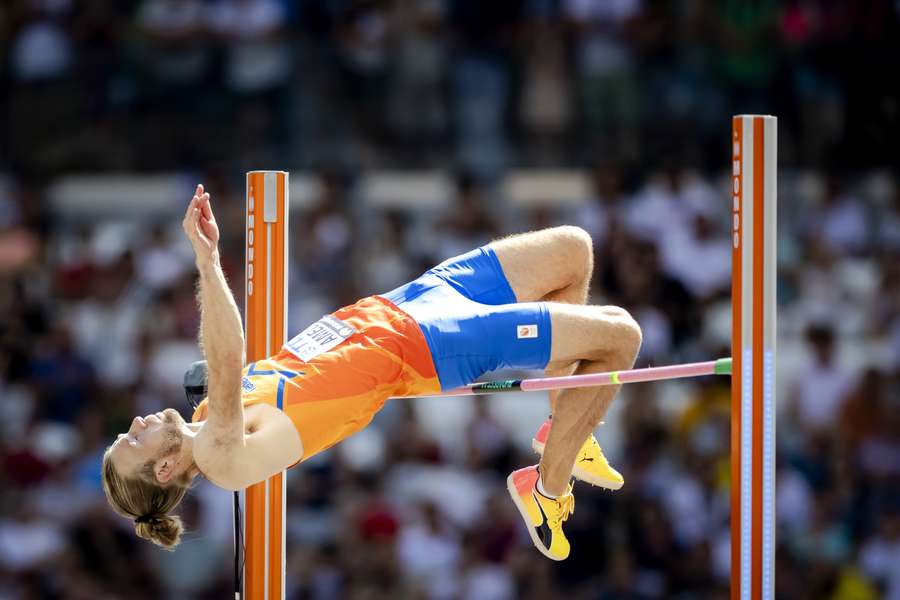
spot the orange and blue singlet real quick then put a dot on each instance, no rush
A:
(446, 328)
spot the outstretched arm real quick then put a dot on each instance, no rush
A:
(221, 331)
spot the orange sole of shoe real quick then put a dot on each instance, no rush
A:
(517, 500)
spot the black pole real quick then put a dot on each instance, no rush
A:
(238, 546)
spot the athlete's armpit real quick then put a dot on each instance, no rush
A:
(270, 445)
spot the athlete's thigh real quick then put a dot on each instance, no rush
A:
(595, 333)
(468, 339)
(541, 262)
(477, 276)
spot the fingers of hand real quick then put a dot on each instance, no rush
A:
(190, 207)
(191, 221)
(208, 229)
(199, 195)
(199, 222)
(205, 207)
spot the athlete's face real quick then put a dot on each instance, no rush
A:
(148, 440)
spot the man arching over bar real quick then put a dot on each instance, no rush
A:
(518, 302)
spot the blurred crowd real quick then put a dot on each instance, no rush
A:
(98, 318)
(162, 84)
(99, 322)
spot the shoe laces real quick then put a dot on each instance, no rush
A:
(566, 506)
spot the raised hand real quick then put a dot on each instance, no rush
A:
(201, 228)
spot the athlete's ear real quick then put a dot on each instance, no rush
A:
(164, 468)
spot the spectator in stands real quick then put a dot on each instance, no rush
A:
(605, 59)
(842, 225)
(177, 55)
(257, 58)
(84, 302)
(42, 49)
(819, 389)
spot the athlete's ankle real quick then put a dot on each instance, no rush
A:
(540, 488)
(542, 491)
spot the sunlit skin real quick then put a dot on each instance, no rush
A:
(148, 436)
(147, 439)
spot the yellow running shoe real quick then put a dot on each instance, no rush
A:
(543, 516)
(591, 465)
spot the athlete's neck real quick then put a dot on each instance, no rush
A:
(186, 453)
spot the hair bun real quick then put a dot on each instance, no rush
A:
(162, 530)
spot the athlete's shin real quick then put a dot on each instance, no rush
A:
(553, 395)
(578, 411)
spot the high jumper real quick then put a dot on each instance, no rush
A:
(518, 302)
(434, 336)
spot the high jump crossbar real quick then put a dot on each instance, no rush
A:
(752, 366)
(720, 366)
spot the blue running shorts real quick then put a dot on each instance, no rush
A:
(471, 321)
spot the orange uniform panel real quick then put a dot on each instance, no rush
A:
(336, 393)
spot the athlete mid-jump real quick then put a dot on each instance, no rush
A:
(517, 302)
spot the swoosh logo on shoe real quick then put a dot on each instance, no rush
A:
(543, 530)
(590, 458)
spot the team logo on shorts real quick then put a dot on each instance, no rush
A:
(526, 331)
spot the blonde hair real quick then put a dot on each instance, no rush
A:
(147, 502)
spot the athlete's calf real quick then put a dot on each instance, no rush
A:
(594, 339)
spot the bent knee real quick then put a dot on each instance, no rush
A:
(576, 238)
(628, 335)
(577, 246)
(633, 337)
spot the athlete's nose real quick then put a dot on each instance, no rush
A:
(138, 423)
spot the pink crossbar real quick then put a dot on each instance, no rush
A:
(596, 379)
(631, 376)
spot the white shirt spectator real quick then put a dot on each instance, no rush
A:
(610, 11)
(257, 60)
(24, 545)
(430, 557)
(657, 333)
(597, 216)
(172, 17)
(844, 225)
(601, 51)
(488, 581)
(820, 393)
(42, 51)
(175, 20)
(793, 501)
(688, 510)
(880, 559)
(107, 332)
(658, 210)
(703, 265)
(160, 265)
